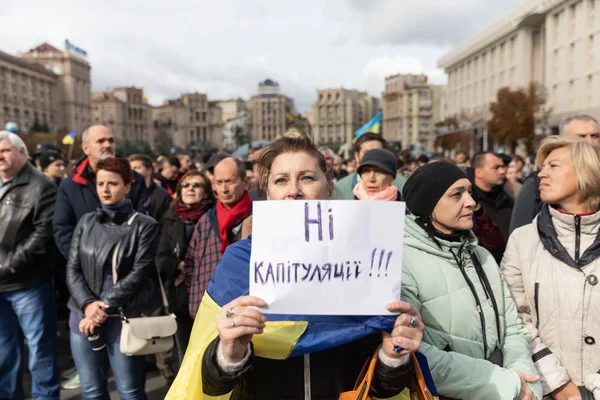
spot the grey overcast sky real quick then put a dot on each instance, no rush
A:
(225, 47)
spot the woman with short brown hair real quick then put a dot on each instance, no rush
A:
(552, 268)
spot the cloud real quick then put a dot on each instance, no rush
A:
(225, 48)
(409, 22)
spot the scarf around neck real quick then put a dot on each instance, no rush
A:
(388, 194)
(119, 212)
(229, 217)
(193, 213)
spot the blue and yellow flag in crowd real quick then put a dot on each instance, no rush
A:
(373, 126)
(69, 138)
(284, 335)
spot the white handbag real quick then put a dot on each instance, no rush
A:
(145, 335)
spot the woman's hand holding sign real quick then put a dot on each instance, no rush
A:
(237, 323)
(407, 332)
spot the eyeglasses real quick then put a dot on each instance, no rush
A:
(195, 185)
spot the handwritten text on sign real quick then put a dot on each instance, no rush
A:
(327, 257)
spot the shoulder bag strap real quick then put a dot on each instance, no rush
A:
(114, 268)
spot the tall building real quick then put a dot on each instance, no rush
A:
(338, 113)
(231, 108)
(267, 111)
(46, 86)
(411, 107)
(125, 111)
(553, 42)
(190, 120)
(73, 88)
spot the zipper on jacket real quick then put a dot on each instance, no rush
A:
(536, 297)
(577, 237)
(474, 292)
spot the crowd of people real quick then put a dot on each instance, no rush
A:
(500, 269)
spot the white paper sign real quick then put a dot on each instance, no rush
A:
(327, 257)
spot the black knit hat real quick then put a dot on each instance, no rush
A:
(427, 185)
(383, 159)
(48, 158)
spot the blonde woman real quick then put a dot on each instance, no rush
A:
(552, 268)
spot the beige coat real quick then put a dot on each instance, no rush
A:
(559, 301)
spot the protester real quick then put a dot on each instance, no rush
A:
(185, 162)
(27, 304)
(338, 171)
(475, 343)
(98, 297)
(460, 159)
(528, 204)
(487, 176)
(169, 175)
(293, 169)
(519, 164)
(217, 229)
(159, 200)
(344, 189)
(77, 196)
(377, 171)
(512, 179)
(329, 156)
(422, 160)
(53, 166)
(194, 198)
(552, 267)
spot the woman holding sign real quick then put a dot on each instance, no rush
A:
(377, 171)
(475, 343)
(234, 349)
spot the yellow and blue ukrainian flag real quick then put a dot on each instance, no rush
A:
(69, 138)
(284, 336)
(373, 126)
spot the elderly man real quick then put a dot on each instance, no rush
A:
(27, 302)
(77, 194)
(217, 229)
(528, 202)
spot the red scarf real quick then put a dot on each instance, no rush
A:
(193, 213)
(229, 217)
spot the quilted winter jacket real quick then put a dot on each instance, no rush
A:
(453, 341)
(557, 293)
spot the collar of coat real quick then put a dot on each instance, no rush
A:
(547, 222)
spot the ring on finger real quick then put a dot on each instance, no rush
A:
(232, 323)
(230, 312)
(413, 322)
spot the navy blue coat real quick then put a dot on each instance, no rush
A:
(77, 196)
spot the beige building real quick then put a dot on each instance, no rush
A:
(125, 111)
(189, 120)
(411, 108)
(231, 108)
(268, 111)
(73, 90)
(338, 113)
(553, 42)
(47, 86)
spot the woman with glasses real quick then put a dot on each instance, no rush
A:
(194, 196)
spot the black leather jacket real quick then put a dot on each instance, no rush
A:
(26, 243)
(136, 292)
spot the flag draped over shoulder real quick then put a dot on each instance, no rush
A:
(284, 335)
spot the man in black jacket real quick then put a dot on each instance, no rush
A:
(77, 194)
(27, 303)
(487, 175)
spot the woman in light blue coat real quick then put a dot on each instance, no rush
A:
(475, 343)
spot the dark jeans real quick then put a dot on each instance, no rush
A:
(92, 366)
(34, 311)
(185, 323)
